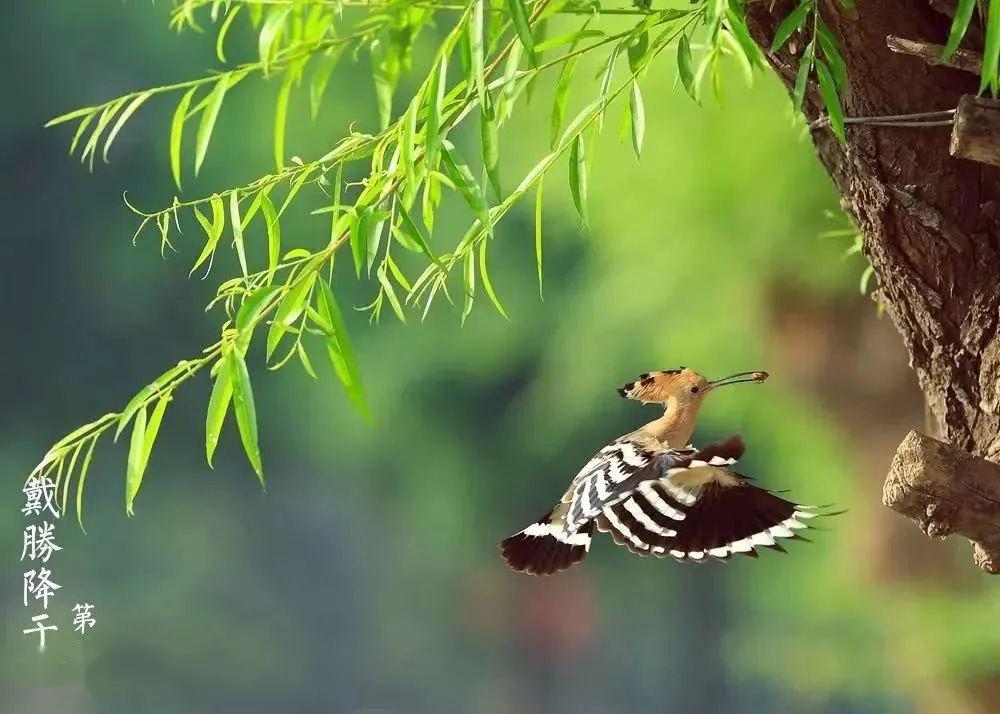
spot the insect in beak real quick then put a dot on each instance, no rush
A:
(738, 378)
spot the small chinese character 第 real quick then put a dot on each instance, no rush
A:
(39, 542)
(39, 492)
(40, 629)
(82, 617)
(40, 585)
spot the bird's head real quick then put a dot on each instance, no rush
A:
(682, 386)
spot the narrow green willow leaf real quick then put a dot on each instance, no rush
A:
(249, 214)
(418, 235)
(511, 87)
(738, 27)
(273, 26)
(460, 174)
(573, 129)
(538, 236)
(359, 239)
(959, 25)
(80, 130)
(828, 88)
(522, 25)
(218, 215)
(796, 18)
(744, 61)
(390, 293)
(294, 189)
(300, 349)
(236, 224)
(246, 411)
(376, 225)
(321, 77)
(685, 67)
(143, 395)
(273, 233)
(831, 53)
(435, 103)
(90, 148)
(407, 142)
(340, 351)
(80, 431)
(338, 225)
(70, 116)
(288, 311)
(402, 236)
(638, 46)
(208, 117)
(81, 480)
(280, 120)
(991, 49)
(385, 75)
(220, 40)
(134, 467)
(561, 97)
(398, 274)
(468, 284)
(122, 118)
(489, 134)
(177, 134)
(578, 177)
(487, 283)
(476, 52)
(213, 230)
(250, 312)
(638, 114)
(132, 408)
(218, 405)
(152, 430)
(802, 76)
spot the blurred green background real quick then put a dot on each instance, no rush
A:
(366, 579)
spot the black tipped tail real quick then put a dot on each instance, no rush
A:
(544, 548)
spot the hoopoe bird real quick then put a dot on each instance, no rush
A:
(658, 495)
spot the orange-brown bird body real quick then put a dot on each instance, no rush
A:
(657, 495)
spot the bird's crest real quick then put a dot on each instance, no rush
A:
(651, 387)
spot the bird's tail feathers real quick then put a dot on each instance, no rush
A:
(545, 547)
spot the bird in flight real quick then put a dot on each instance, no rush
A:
(658, 495)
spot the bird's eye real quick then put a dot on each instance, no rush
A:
(694, 390)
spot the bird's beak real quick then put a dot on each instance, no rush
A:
(738, 378)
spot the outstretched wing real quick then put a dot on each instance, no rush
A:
(715, 513)
(622, 468)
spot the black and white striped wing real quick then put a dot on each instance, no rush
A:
(616, 471)
(704, 512)
(648, 518)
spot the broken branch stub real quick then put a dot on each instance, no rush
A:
(932, 54)
(947, 490)
(976, 132)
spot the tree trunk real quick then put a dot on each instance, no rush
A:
(929, 220)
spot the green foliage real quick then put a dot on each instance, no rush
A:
(821, 55)
(489, 55)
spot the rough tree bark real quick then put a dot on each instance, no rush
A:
(930, 221)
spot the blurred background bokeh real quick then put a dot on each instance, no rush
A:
(366, 578)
